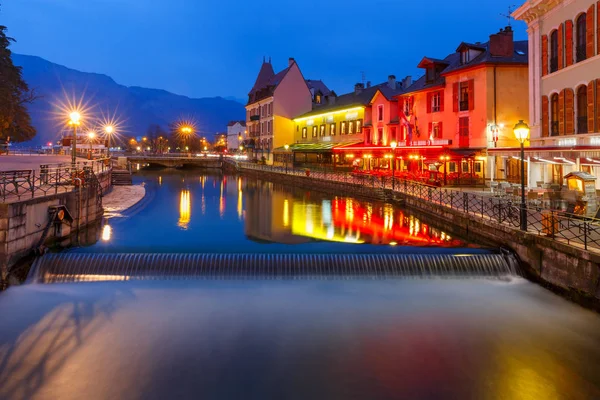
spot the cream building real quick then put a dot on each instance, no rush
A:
(564, 89)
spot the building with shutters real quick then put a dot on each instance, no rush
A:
(564, 79)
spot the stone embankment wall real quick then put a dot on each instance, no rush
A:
(22, 223)
(568, 270)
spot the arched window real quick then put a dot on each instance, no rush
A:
(554, 115)
(580, 38)
(554, 51)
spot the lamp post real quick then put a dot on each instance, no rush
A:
(393, 145)
(287, 147)
(108, 129)
(91, 136)
(521, 131)
(74, 121)
(186, 131)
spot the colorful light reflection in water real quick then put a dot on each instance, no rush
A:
(185, 209)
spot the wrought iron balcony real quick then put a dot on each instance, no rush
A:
(254, 117)
(554, 128)
(582, 124)
(580, 53)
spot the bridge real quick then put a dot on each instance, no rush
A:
(176, 160)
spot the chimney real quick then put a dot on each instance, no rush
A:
(392, 82)
(368, 84)
(358, 88)
(291, 61)
(502, 43)
(406, 82)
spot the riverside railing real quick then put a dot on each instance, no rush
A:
(48, 179)
(566, 227)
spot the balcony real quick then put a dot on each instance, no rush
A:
(582, 124)
(255, 118)
(464, 105)
(553, 64)
(580, 53)
(554, 128)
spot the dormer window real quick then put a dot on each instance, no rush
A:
(464, 57)
(318, 99)
(430, 74)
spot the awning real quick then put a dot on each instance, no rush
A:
(592, 152)
(320, 147)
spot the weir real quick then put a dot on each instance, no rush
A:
(74, 267)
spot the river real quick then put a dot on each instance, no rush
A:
(305, 339)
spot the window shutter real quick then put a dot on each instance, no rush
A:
(569, 43)
(430, 129)
(471, 94)
(561, 44)
(569, 112)
(441, 100)
(544, 55)
(598, 29)
(591, 91)
(589, 51)
(441, 132)
(561, 113)
(598, 104)
(428, 102)
(455, 97)
(545, 117)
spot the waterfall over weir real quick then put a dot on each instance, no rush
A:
(73, 267)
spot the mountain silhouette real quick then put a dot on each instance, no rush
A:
(136, 107)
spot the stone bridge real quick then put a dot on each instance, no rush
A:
(171, 161)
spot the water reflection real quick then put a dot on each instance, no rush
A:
(193, 211)
(185, 209)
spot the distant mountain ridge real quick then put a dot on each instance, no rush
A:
(138, 107)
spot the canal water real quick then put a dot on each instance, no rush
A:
(307, 339)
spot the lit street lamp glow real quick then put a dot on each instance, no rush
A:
(521, 131)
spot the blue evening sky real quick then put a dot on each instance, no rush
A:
(204, 48)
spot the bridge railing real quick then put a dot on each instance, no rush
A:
(576, 230)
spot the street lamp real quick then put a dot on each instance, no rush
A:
(91, 136)
(108, 129)
(521, 131)
(186, 131)
(74, 120)
(393, 145)
(286, 147)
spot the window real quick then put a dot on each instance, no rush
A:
(318, 99)
(464, 57)
(580, 38)
(464, 96)
(358, 125)
(322, 132)
(343, 127)
(452, 166)
(350, 127)
(463, 126)
(314, 131)
(404, 132)
(379, 137)
(436, 102)
(430, 74)
(270, 109)
(408, 105)
(554, 115)
(304, 133)
(332, 129)
(436, 131)
(379, 113)
(268, 126)
(393, 134)
(582, 107)
(554, 51)
(478, 167)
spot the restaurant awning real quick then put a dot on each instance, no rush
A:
(573, 152)
(320, 147)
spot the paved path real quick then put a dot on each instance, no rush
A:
(122, 198)
(12, 162)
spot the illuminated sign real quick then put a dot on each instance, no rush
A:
(595, 141)
(567, 142)
(310, 122)
(330, 118)
(352, 115)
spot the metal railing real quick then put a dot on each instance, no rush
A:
(499, 208)
(48, 180)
